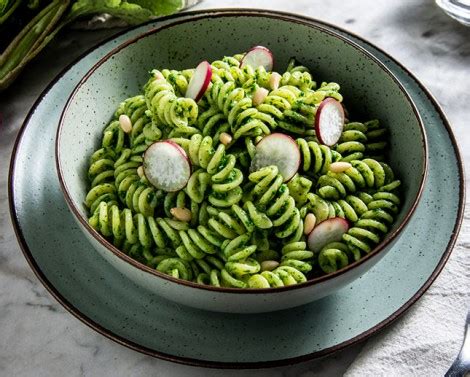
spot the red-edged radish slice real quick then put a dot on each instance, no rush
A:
(329, 121)
(330, 230)
(280, 150)
(200, 81)
(166, 166)
(258, 56)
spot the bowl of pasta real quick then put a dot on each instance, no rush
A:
(241, 162)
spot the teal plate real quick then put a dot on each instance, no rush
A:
(92, 290)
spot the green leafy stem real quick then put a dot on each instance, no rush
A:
(51, 18)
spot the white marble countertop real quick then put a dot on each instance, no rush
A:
(40, 338)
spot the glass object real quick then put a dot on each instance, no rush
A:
(457, 9)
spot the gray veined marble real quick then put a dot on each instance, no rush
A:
(39, 338)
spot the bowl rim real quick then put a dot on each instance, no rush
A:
(241, 12)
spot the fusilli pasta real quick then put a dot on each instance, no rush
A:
(241, 228)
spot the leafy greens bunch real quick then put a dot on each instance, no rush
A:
(27, 26)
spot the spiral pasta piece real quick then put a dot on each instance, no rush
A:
(225, 178)
(213, 122)
(238, 108)
(353, 141)
(123, 227)
(367, 232)
(233, 274)
(181, 199)
(259, 77)
(195, 244)
(113, 137)
(277, 109)
(302, 80)
(240, 76)
(330, 89)
(301, 116)
(321, 208)
(144, 132)
(376, 140)
(133, 191)
(367, 173)
(280, 277)
(316, 158)
(271, 196)
(101, 168)
(101, 193)
(298, 75)
(296, 255)
(352, 207)
(167, 109)
(247, 77)
(239, 248)
(178, 79)
(176, 267)
(333, 257)
(207, 270)
(230, 223)
(101, 176)
(222, 69)
(299, 188)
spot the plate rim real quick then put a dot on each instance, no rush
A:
(390, 238)
(216, 364)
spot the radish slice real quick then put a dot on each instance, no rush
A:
(330, 230)
(329, 121)
(280, 150)
(167, 166)
(200, 81)
(258, 56)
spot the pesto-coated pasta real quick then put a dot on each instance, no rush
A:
(236, 224)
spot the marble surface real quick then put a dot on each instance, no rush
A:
(40, 338)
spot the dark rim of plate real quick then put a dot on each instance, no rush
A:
(109, 246)
(233, 365)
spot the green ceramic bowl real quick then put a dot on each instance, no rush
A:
(370, 91)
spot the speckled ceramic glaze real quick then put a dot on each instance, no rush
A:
(370, 89)
(113, 304)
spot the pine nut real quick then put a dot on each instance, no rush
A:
(181, 214)
(225, 138)
(309, 223)
(140, 171)
(274, 80)
(125, 123)
(269, 265)
(259, 96)
(340, 166)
